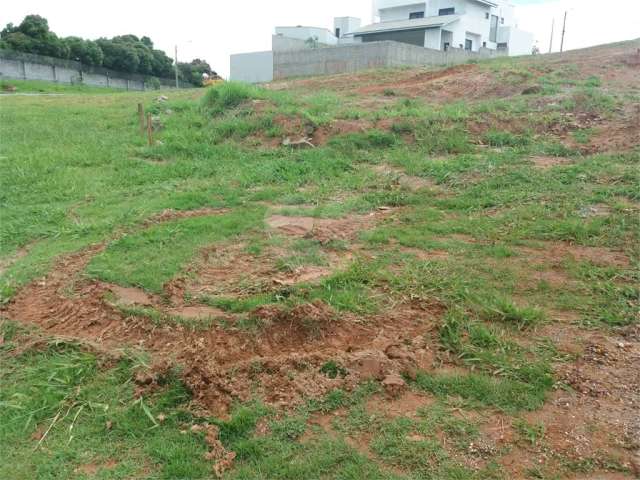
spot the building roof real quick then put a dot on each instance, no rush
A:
(413, 24)
(487, 2)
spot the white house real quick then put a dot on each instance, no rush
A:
(442, 24)
(481, 27)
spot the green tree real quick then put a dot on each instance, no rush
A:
(84, 51)
(162, 64)
(35, 26)
(119, 56)
(192, 71)
(33, 36)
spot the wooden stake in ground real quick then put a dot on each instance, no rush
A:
(149, 129)
(141, 118)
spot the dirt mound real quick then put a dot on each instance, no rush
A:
(284, 361)
(230, 271)
(170, 214)
(340, 127)
(307, 352)
(325, 230)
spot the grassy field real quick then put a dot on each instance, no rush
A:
(482, 242)
(9, 87)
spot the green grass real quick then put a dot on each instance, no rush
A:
(90, 416)
(38, 86)
(458, 247)
(128, 257)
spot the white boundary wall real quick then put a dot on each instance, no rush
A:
(22, 66)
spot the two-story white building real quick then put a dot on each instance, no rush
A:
(484, 28)
(443, 24)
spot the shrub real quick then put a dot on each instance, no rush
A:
(364, 141)
(402, 127)
(505, 139)
(153, 83)
(228, 95)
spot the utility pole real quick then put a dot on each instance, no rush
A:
(553, 26)
(176, 59)
(564, 28)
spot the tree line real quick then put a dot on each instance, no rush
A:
(125, 53)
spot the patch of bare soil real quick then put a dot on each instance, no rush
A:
(554, 253)
(325, 230)
(228, 270)
(286, 357)
(282, 362)
(170, 214)
(600, 417)
(442, 85)
(92, 468)
(198, 312)
(339, 127)
(616, 64)
(619, 134)
(405, 405)
(547, 162)
(592, 417)
(435, 85)
(131, 296)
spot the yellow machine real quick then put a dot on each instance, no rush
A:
(209, 82)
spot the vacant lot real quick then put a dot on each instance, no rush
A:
(400, 274)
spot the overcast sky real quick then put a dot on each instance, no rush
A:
(216, 28)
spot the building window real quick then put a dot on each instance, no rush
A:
(486, 15)
(502, 46)
(484, 44)
(414, 15)
(338, 32)
(468, 44)
(447, 11)
(502, 20)
(493, 33)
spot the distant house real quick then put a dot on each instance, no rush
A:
(443, 24)
(460, 29)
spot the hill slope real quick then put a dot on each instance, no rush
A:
(396, 274)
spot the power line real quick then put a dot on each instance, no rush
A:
(564, 28)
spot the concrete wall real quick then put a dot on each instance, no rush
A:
(432, 38)
(255, 67)
(411, 37)
(19, 66)
(280, 42)
(356, 57)
(304, 33)
(519, 42)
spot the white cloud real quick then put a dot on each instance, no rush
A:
(217, 28)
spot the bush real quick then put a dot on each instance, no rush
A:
(229, 95)
(153, 83)
(363, 141)
(505, 139)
